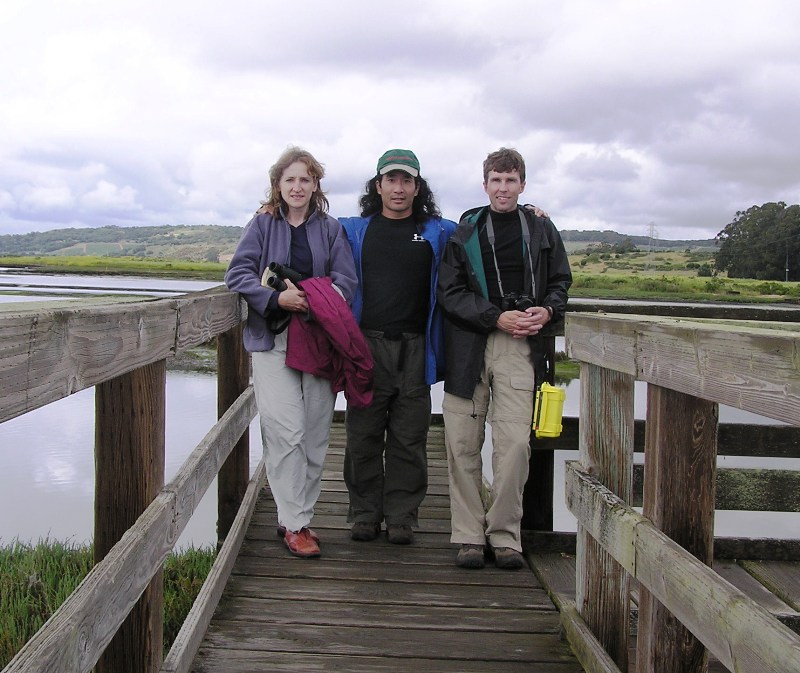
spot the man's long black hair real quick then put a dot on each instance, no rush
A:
(423, 208)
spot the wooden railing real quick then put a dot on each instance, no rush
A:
(690, 366)
(114, 618)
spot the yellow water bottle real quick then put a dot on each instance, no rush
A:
(548, 410)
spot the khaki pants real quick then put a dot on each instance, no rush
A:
(504, 395)
(295, 412)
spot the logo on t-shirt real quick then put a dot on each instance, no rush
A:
(416, 238)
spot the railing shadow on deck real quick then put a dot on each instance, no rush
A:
(120, 348)
(685, 608)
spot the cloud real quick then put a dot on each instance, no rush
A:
(677, 114)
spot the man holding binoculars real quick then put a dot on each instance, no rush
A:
(504, 275)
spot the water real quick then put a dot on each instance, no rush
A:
(50, 286)
(47, 455)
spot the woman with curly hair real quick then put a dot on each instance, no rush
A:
(291, 228)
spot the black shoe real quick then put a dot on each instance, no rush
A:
(470, 556)
(399, 534)
(507, 558)
(365, 531)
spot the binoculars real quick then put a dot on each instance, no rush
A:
(281, 272)
(514, 301)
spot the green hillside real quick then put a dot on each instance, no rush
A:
(213, 243)
(200, 243)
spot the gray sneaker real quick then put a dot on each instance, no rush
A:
(365, 531)
(507, 558)
(470, 556)
(399, 534)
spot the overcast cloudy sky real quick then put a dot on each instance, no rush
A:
(675, 114)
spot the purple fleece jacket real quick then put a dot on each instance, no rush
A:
(267, 238)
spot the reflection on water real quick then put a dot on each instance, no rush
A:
(47, 463)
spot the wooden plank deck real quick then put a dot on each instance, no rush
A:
(373, 606)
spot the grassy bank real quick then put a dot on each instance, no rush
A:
(36, 579)
(119, 266)
(616, 279)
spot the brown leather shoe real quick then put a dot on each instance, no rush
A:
(301, 543)
(281, 532)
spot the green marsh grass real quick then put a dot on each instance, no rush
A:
(35, 579)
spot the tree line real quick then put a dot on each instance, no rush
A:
(762, 242)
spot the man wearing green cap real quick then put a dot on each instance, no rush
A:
(397, 245)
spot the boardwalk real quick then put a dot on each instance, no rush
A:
(376, 606)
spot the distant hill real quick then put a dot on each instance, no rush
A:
(217, 243)
(190, 242)
(582, 239)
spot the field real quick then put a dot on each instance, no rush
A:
(665, 275)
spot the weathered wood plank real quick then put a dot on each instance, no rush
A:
(589, 650)
(606, 451)
(371, 571)
(735, 439)
(757, 369)
(390, 593)
(751, 585)
(186, 643)
(441, 643)
(233, 378)
(269, 611)
(781, 578)
(47, 353)
(214, 660)
(680, 459)
(129, 463)
(753, 490)
(740, 633)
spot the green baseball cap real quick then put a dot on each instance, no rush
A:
(399, 160)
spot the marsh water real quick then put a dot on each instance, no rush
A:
(47, 455)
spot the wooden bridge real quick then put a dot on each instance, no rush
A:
(633, 591)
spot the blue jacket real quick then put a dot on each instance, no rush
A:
(267, 238)
(436, 232)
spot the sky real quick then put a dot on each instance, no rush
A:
(644, 117)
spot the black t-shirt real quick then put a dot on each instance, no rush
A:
(300, 251)
(509, 251)
(396, 269)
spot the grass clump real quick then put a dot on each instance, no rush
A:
(35, 579)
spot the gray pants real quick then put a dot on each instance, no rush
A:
(504, 394)
(386, 462)
(295, 412)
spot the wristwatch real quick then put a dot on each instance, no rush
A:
(550, 311)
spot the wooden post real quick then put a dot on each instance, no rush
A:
(606, 452)
(129, 472)
(233, 377)
(537, 498)
(679, 485)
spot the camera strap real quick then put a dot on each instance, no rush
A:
(526, 238)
